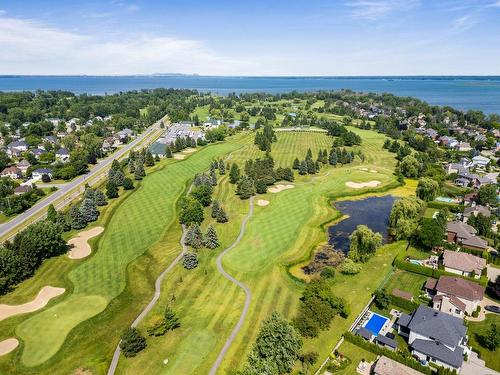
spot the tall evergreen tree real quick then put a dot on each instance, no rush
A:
(211, 238)
(221, 216)
(111, 190)
(234, 173)
(99, 198)
(88, 210)
(51, 213)
(213, 178)
(245, 188)
(222, 168)
(303, 168)
(215, 208)
(168, 152)
(296, 163)
(139, 170)
(77, 219)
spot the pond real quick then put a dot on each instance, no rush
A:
(373, 212)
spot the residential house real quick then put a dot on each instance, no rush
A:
(125, 134)
(62, 155)
(23, 189)
(467, 292)
(464, 235)
(448, 142)
(37, 152)
(16, 147)
(480, 161)
(467, 179)
(387, 366)
(23, 165)
(111, 143)
(435, 337)
(463, 146)
(458, 168)
(38, 173)
(12, 172)
(463, 264)
(431, 133)
(50, 139)
(476, 210)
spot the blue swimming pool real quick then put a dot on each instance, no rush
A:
(375, 323)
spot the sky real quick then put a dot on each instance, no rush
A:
(257, 38)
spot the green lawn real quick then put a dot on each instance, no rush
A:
(134, 228)
(476, 329)
(406, 281)
(355, 354)
(277, 235)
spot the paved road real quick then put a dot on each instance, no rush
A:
(147, 309)
(100, 167)
(248, 294)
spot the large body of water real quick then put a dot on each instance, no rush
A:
(373, 212)
(479, 93)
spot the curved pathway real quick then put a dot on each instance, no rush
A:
(248, 294)
(147, 309)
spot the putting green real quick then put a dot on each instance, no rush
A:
(43, 334)
(136, 225)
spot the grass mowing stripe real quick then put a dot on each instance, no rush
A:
(135, 227)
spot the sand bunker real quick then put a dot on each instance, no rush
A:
(179, 156)
(79, 244)
(279, 187)
(373, 171)
(189, 150)
(262, 202)
(364, 169)
(43, 297)
(6, 346)
(360, 185)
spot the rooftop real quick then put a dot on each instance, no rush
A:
(459, 287)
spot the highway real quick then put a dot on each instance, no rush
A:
(68, 192)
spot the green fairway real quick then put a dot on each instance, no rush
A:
(277, 235)
(138, 223)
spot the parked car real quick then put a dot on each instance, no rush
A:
(492, 308)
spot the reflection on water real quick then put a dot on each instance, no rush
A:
(373, 212)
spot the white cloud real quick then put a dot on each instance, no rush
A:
(462, 23)
(29, 47)
(373, 10)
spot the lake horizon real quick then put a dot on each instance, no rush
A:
(460, 92)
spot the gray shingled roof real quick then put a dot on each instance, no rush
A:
(404, 320)
(440, 326)
(365, 333)
(387, 341)
(439, 351)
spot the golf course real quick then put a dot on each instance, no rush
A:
(106, 290)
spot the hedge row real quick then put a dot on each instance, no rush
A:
(378, 350)
(452, 207)
(404, 303)
(431, 272)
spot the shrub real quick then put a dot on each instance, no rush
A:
(190, 261)
(132, 342)
(348, 267)
(327, 273)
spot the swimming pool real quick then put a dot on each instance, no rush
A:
(375, 323)
(417, 262)
(445, 199)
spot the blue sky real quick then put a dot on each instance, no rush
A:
(294, 37)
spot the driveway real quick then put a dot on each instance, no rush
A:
(493, 272)
(485, 302)
(476, 366)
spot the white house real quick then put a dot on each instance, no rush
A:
(480, 161)
(62, 155)
(38, 173)
(12, 172)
